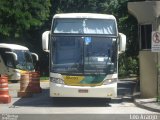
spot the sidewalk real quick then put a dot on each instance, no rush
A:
(150, 104)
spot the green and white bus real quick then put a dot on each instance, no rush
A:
(15, 60)
(83, 50)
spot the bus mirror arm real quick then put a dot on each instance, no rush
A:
(13, 54)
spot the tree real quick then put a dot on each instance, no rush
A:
(18, 16)
(70, 6)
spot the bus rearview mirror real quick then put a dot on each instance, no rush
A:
(122, 43)
(45, 41)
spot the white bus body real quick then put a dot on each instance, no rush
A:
(83, 50)
(15, 59)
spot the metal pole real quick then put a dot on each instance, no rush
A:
(158, 77)
(158, 65)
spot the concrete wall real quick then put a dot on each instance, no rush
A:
(148, 12)
(148, 74)
(145, 12)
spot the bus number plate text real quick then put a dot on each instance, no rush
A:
(82, 91)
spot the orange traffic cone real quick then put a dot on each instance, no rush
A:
(25, 86)
(35, 82)
(4, 91)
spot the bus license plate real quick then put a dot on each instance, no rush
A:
(83, 91)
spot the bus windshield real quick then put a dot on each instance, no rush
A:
(84, 26)
(24, 61)
(83, 55)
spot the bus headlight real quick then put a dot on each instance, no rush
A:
(57, 80)
(109, 81)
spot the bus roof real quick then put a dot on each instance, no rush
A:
(13, 46)
(84, 15)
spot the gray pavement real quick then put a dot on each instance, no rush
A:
(150, 104)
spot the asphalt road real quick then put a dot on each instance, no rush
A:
(41, 106)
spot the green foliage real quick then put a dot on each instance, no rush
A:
(71, 6)
(44, 78)
(128, 66)
(21, 15)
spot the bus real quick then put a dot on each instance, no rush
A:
(83, 55)
(15, 60)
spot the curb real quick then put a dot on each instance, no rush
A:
(143, 104)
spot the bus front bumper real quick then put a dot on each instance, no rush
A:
(104, 91)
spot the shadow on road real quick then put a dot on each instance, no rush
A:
(43, 100)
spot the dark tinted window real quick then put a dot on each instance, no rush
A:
(145, 36)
